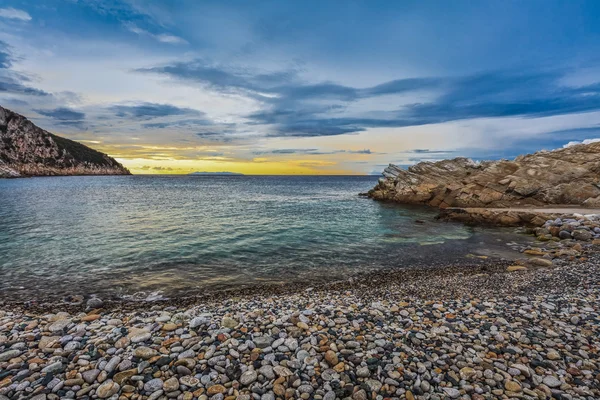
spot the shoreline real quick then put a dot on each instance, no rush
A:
(484, 333)
(541, 253)
(363, 280)
(412, 281)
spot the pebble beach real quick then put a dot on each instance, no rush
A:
(450, 333)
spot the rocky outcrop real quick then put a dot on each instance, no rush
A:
(7, 172)
(27, 150)
(569, 176)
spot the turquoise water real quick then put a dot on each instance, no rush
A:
(126, 235)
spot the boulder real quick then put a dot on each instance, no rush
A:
(583, 235)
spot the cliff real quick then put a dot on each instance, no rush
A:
(568, 176)
(27, 150)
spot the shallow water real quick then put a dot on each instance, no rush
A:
(121, 235)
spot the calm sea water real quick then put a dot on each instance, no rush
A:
(138, 235)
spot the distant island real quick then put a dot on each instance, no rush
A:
(224, 173)
(28, 150)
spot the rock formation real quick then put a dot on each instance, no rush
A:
(567, 176)
(27, 150)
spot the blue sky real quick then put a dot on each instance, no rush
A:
(303, 87)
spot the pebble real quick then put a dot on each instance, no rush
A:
(153, 385)
(229, 322)
(107, 389)
(138, 336)
(491, 334)
(551, 381)
(171, 385)
(144, 352)
(9, 354)
(248, 377)
(95, 302)
(331, 358)
(53, 368)
(452, 392)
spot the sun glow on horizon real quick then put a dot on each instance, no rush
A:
(141, 166)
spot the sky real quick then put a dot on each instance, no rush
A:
(303, 87)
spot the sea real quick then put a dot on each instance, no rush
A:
(158, 237)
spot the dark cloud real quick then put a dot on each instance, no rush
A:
(312, 151)
(217, 136)
(293, 151)
(13, 82)
(510, 96)
(402, 86)
(316, 127)
(425, 158)
(16, 102)
(63, 114)
(150, 110)
(221, 77)
(178, 124)
(427, 151)
(147, 167)
(285, 84)
(5, 56)
(322, 91)
(11, 85)
(297, 109)
(296, 151)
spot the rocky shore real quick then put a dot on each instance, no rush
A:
(480, 333)
(527, 217)
(567, 176)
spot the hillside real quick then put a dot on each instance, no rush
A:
(27, 150)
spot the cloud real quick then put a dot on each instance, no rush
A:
(178, 123)
(11, 81)
(13, 13)
(403, 86)
(294, 108)
(166, 38)
(294, 151)
(282, 86)
(427, 151)
(150, 110)
(162, 37)
(62, 114)
(6, 58)
(147, 167)
(11, 85)
(420, 159)
(586, 141)
(481, 96)
(16, 102)
(312, 151)
(224, 78)
(316, 127)
(203, 128)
